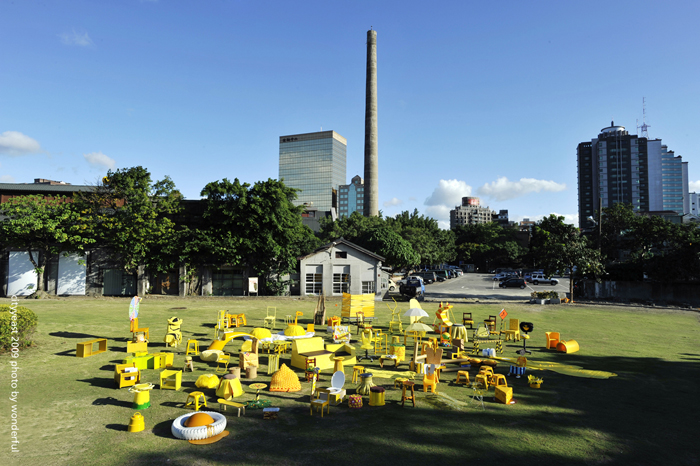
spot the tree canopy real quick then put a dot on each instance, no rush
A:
(37, 224)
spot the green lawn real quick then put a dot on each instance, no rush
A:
(71, 414)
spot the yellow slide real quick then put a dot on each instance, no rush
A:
(228, 336)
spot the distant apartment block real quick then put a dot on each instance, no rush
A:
(470, 212)
(622, 168)
(351, 197)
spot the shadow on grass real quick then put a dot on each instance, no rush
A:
(109, 401)
(118, 427)
(82, 336)
(68, 352)
(100, 382)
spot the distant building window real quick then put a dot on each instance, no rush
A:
(341, 283)
(341, 255)
(367, 287)
(314, 283)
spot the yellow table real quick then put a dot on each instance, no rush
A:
(258, 387)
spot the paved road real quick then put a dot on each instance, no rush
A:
(482, 286)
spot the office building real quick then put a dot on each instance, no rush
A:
(314, 163)
(351, 197)
(470, 212)
(618, 167)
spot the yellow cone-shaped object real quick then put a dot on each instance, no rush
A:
(136, 423)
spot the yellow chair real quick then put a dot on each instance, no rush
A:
(367, 344)
(126, 375)
(194, 344)
(513, 331)
(225, 359)
(271, 317)
(240, 320)
(395, 322)
(310, 328)
(552, 339)
(134, 328)
(468, 320)
(430, 381)
(196, 399)
(380, 342)
(319, 398)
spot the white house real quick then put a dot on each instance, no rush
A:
(340, 267)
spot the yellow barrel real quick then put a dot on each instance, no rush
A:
(376, 396)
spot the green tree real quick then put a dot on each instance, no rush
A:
(556, 245)
(49, 226)
(131, 214)
(488, 245)
(257, 227)
(433, 245)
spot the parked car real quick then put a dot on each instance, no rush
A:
(441, 275)
(393, 286)
(413, 287)
(428, 277)
(538, 277)
(512, 283)
(504, 275)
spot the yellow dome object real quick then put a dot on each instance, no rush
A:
(198, 420)
(294, 331)
(285, 380)
(261, 333)
(207, 381)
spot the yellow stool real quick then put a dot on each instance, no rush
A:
(356, 371)
(499, 380)
(197, 400)
(483, 379)
(338, 364)
(399, 381)
(195, 347)
(461, 374)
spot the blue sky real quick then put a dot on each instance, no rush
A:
(475, 98)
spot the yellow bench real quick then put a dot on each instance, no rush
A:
(223, 403)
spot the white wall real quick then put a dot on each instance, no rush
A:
(71, 275)
(21, 279)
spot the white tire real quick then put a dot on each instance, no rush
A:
(179, 430)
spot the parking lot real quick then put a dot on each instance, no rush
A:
(482, 286)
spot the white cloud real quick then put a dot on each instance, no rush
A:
(445, 197)
(504, 189)
(15, 143)
(393, 202)
(449, 193)
(75, 38)
(100, 160)
(694, 186)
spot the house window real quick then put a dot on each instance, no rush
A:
(341, 283)
(341, 255)
(314, 283)
(367, 287)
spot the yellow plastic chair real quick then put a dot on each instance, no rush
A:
(225, 359)
(271, 317)
(134, 328)
(430, 381)
(513, 331)
(367, 344)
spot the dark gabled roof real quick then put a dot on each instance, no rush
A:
(328, 246)
(38, 188)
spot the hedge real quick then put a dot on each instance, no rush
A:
(26, 322)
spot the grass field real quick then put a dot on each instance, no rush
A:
(71, 414)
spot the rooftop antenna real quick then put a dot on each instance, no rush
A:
(644, 127)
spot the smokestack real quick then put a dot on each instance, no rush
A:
(371, 131)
